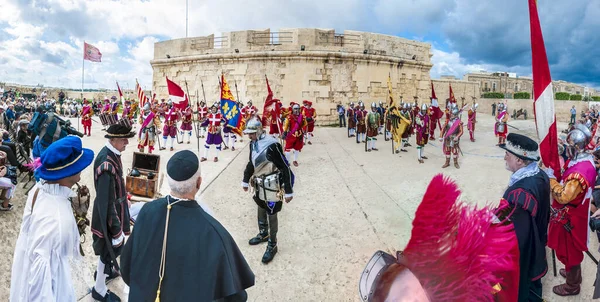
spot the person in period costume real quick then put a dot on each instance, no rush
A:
(114, 108)
(293, 133)
(170, 128)
(249, 111)
(450, 136)
(501, 126)
(214, 121)
(381, 111)
(86, 117)
(150, 123)
(456, 252)
(177, 251)
(568, 231)
(351, 115)
(372, 128)
(202, 115)
(110, 216)
(311, 115)
(49, 239)
(269, 174)
(422, 128)
(273, 120)
(361, 126)
(229, 137)
(472, 120)
(435, 114)
(127, 112)
(186, 124)
(398, 126)
(528, 196)
(414, 110)
(405, 123)
(105, 111)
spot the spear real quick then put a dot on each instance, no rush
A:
(236, 90)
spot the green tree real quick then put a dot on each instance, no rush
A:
(522, 95)
(493, 95)
(576, 97)
(596, 98)
(562, 96)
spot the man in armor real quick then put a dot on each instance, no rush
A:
(202, 115)
(472, 116)
(170, 127)
(186, 124)
(269, 173)
(361, 127)
(568, 231)
(422, 128)
(372, 128)
(451, 133)
(86, 117)
(310, 114)
(351, 115)
(501, 129)
(293, 134)
(214, 121)
(150, 123)
(405, 121)
(398, 124)
(381, 111)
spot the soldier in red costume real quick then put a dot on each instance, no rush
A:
(450, 136)
(249, 111)
(422, 129)
(311, 115)
(351, 115)
(361, 126)
(170, 127)
(435, 114)
(472, 117)
(202, 115)
(568, 231)
(215, 122)
(293, 133)
(86, 117)
(186, 124)
(273, 119)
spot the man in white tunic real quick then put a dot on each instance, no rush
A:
(49, 237)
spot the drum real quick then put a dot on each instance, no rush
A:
(110, 118)
(103, 120)
(268, 187)
(125, 122)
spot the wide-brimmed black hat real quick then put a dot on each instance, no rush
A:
(522, 147)
(119, 131)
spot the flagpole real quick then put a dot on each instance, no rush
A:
(186, 18)
(82, 77)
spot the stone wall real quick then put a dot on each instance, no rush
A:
(562, 108)
(301, 64)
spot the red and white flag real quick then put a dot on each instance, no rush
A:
(177, 96)
(142, 99)
(91, 53)
(543, 106)
(121, 95)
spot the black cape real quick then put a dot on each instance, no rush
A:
(203, 262)
(530, 198)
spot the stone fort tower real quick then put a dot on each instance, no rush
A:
(318, 65)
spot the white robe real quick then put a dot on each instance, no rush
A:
(48, 240)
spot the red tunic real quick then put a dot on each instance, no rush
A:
(86, 116)
(186, 123)
(170, 127)
(295, 136)
(310, 115)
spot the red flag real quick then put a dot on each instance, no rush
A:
(121, 95)
(91, 53)
(452, 98)
(141, 95)
(433, 96)
(435, 107)
(272, 108)
(543, 106)
(176, 94)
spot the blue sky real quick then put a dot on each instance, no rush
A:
(41, 41)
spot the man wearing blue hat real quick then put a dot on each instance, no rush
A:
(110, 217)
(49, 237)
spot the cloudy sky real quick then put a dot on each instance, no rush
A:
(41, 41)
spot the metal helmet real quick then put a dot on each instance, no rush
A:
(424, 107)
(454, 109)
(361, 105)
(475, 106)
(147, 107)
(406, 106)
(170, 102)
(253, 126)
(250, 102)
(577, 140)
(373, 105)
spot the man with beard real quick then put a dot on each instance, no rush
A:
(269, 173)
(293, 134)
(528, 195)
(110, 216)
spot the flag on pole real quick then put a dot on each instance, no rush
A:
(229, 108)
(91, 53)
(272, 108)
(543, 106)
(435, 107)
(121, 95)
(177, 95)
(452, 98)
(141, 95)
(390, 95)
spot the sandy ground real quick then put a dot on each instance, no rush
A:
(348, 204)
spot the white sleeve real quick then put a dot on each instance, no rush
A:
(39, 287)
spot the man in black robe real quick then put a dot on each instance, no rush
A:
(528, 196)
(110, 216)
(201, 260)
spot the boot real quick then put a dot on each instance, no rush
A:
(572, 285)
(263, 236)
(109, 297)
(421, 161)
(456, 163)
(447, 164)
(269, 253)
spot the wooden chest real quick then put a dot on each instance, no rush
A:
(141, 185)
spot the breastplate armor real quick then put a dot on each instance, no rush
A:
(265, 180)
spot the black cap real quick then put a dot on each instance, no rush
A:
(182, 165)
(521, 146)
(119, 131)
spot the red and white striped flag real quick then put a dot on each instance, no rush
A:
(543, 106)
(91, 53)
(141, 95)
(121, 95)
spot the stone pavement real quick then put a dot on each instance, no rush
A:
(348, 204)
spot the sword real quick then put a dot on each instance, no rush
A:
(513, 127)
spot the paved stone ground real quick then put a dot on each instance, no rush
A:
(348, 203)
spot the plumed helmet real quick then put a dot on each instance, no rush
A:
(253, 126)
(424, 107)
